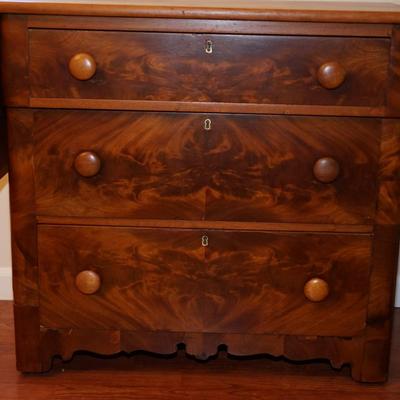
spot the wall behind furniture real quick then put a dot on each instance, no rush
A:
(5, 246)
(5, 251)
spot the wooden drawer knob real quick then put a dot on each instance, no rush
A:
(326, 170)
(87, 164)
(316, 290)
(82, 66)
(88, 282)
(331, 75)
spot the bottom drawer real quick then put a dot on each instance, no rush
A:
(196, 281)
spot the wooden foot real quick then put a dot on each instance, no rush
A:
(373, 365)
(27, 341)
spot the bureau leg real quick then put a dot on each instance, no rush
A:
(371, 359)
(29, 355)
(372, 364)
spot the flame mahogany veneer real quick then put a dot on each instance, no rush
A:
(205, 175)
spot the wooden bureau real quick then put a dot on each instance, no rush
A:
(205, 175)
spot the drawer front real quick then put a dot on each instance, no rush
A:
(212, 167)
(195, 281)
(208, 68)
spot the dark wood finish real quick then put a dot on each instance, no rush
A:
(214, 225)
(178, 377)
(377, 336)
(326, 170)
(181, 106)
(14, 60)
(210, 26)
(23, 242)
(393, 89)
(22, 199)
(331, 75)
(176, 67)
(266, 234)
(261, 169)
(87, 164)
(222, 9)
(388, 211)
(152, 165)
(163, 280)
(243, 169)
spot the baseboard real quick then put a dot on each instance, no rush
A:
(6, 292)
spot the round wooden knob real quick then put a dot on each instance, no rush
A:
(326, 170)
(331, 75)
(87, 164)
(316, 290)
(82, 66)
(88, 282)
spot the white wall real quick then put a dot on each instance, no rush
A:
(5, 252)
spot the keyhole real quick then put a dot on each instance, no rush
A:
(207, 124)
(204, 241)
(209, 46)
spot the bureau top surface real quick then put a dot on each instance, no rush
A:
(216, 9)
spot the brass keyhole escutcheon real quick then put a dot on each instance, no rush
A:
(204, 241)
(209, 46)
(207, 124)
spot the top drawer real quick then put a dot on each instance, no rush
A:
(209, 68)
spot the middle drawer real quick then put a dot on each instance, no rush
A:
(206, 167)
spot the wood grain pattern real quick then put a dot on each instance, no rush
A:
(163, 280)
(152, 165)
(261, 169)
(166, 166)
(178, 377)
(23, 241)
(338, 350)
(220, 9)
(204, 235)
(206, 107)
(175, 67)
(377, 337)
(208, 225)
(209, 26)
(28, 338)
(392, 95)
(22, 199)
(14, 60)
(388, 209)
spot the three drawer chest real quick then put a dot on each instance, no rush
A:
(203, 174)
